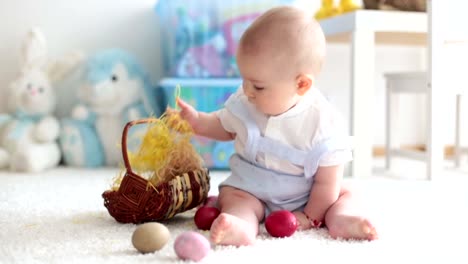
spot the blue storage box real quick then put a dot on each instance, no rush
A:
(200, 37)
(205, 95)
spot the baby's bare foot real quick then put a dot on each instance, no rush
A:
(231, 230)
(353, 227)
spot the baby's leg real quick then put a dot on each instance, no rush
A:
(238, 222)
(344, 221)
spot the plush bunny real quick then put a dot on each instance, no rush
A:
(116, 90)
(29, 133)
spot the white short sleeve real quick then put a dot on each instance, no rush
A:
(337, 157)
(229, 122)
(227, 119)
(331, 125)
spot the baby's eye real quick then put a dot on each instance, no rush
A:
(41, 89)
(114, 78)
(29, 86)
(258, 88)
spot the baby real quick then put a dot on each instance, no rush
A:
(290, 142)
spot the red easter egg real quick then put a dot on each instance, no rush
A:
(205, 216)
(281, 223)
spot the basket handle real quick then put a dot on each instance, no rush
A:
(124, 139)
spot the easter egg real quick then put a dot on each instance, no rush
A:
(211, 201)
(281, 223)
(150, 237)
(205, 216)
(192, 246)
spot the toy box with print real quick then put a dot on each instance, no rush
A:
(199, 38)
(205, 95)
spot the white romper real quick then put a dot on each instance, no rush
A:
(277, 156)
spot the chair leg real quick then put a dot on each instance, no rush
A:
(387, 127)
(458, 151)
(391, 139)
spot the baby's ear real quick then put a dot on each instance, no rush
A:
(303, 83)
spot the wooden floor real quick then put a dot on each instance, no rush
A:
(379, 151)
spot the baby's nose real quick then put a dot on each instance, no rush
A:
(248, 92)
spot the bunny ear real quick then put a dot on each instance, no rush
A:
(34, 50)
(57, 70)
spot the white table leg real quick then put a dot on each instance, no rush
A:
(362, 100)
(436, 103)
(437, 100)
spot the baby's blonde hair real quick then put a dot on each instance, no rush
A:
(290, 35)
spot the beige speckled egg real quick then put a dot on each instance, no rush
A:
(150, 237)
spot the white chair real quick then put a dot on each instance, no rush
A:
(444, 80)
(398, 84)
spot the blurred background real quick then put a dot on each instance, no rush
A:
(135, 26)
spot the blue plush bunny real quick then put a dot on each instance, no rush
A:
(116, 90)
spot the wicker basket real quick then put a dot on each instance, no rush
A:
(138, 201)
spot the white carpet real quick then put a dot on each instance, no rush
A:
(59, 217)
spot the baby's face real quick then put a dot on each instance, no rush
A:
(269, 86)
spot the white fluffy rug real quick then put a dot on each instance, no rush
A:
(59, 217)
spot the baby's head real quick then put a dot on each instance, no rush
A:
(279, 57)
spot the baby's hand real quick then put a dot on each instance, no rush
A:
(315, 218)
(188, 113)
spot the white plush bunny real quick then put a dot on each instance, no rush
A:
(29, 133)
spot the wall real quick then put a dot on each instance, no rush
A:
(92, 25)
(85, 25)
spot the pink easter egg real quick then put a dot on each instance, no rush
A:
(191, 245)
(211, 201)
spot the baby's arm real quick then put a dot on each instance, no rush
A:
(204, 124)
(324, 193)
